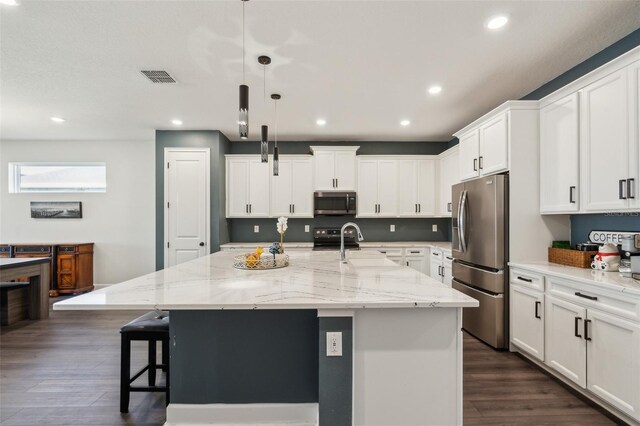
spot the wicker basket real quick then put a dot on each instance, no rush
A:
(569, 257)
(265, 262)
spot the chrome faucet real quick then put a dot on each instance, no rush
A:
(343, 258)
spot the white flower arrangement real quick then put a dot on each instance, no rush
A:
(281, 226)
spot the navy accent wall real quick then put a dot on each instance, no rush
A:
(372, 229)
(583, 224)
(335, 374)
(366, 148)
(218, 145)
(244, 356)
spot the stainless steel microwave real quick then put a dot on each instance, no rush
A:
(334, 203)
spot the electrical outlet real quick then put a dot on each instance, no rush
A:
(392, 228)
(334, 343)
(256, 228)
(306, 228)
(434, 228)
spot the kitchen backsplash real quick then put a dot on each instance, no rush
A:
(372, 229)
(583, 224)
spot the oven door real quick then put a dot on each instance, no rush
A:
(334, 203)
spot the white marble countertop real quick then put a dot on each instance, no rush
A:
(610, 280)
(313, 280)
(444, 245)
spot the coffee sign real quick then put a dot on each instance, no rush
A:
(603, 237)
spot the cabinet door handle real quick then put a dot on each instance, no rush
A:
(586, 296)
(293, 208)
(630, 189)
(337, 183)
(415, 208)
(449, 207)
(527, 280)
(419, 208)
(621, 189)
(480, 163)
(576, 327)
(250, 208)
(537, 312)
(475, 164)
(571, 194)
(586, 330)
(407, 263)
(246, 208)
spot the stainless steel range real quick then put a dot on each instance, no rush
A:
(329, 239)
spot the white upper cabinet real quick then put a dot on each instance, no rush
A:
(634, 153)
(335, 168)
(605, 142)
(559, 156)
(449, 172)
(408, 188)
(469, 153)
(426, 197)
(377, 187)
(292, 190)
(247, 186)
(494, 146)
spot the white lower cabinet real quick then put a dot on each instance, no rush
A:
(527, 320)
(447, 278)
(437, 265)
(613, 360)
(588, 335)
(416, 258)
(565, 346)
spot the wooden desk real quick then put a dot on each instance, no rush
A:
(37, 270)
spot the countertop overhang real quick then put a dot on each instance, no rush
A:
(313, 280)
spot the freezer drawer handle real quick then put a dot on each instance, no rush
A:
(527, 280)
(537, 313)
(586, 330)
(586, 296)
(576, 327)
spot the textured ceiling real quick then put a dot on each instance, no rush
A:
(362, 66)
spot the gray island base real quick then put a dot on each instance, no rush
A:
(250, 347)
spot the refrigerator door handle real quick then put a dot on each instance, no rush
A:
(462, 217)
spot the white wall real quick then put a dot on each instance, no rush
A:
(121, 222)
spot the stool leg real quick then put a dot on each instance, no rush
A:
(165, 355)
(152, 362)
(168, 398)
(125, 372)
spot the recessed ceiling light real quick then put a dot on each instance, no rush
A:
(176, 122)
(58, 119)
(497, 22)
(321, 122)
(9, 2)
(405, 122)
(434, 90)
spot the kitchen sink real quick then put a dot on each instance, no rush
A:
(372, 262)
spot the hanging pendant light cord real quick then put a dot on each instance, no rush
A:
(276, 137)
(243, 51)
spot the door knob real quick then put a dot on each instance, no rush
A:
(201, 244)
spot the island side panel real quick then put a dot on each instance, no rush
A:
(406, 367)
(238, 357)
(336, 374)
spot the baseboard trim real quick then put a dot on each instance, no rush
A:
(99, 286)
(242, 414)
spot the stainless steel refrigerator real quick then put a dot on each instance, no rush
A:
(480, 221)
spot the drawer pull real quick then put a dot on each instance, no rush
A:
(414, 252)
(575, 327)
(586, 330)
(527, 280)
(586, 296)
(537, 313)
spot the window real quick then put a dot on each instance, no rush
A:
(57, 177)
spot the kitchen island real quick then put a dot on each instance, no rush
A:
(251, 347)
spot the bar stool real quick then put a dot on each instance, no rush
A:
(151, 327)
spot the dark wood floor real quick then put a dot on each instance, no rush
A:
(65, 371)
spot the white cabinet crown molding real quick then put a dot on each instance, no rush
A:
(507, 106)
(610, 67)
(449, 152)
(334, 148)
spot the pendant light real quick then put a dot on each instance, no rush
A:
(264, 140)
(276, 171)
(243, 117)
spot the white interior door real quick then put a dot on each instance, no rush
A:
(187, 205)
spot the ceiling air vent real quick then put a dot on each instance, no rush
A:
(158, 76)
